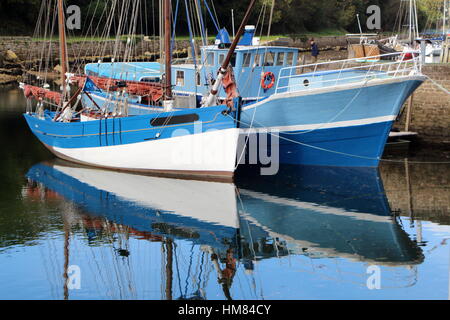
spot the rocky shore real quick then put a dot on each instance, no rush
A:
(11, 69)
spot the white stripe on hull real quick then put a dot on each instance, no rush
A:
(213, 151)
(319, 126)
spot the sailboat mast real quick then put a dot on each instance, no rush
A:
(410, 20)
(63, 46)
(445, 17)
(168, 53)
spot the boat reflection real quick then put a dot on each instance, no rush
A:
(324, 212)
(303, 211)
(203, 212)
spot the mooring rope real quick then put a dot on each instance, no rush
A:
(344, 153)
(438, 85)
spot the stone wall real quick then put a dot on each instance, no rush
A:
(26, 49)
(430, 115)
(303, 44)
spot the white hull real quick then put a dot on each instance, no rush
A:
(212, 153)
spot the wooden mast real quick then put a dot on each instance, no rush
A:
(63, 47)
(168, 53)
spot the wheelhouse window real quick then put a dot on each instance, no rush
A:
(180, 78)
(210, 59)
(280, 58)
(221, 58)
(247, 57)
(257, 62)
(197, 78)
(233, 60)
(290, 59)
(269, 59)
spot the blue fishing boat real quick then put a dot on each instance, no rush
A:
(172, 141)
(335, 113)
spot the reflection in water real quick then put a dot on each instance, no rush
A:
(309, 233)
(206, 228)
(328, 212)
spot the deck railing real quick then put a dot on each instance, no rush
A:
(341, 72)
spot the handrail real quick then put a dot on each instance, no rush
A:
(374, 69)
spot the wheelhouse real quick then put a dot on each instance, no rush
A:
(251, 63)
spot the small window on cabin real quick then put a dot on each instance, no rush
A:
(269, 60)
(290, 59)
(246, 60)
(257, 62)
(180, 78)
(233, 60)
(221, 58)
(280, 59)
(198, 78)
(210, 59)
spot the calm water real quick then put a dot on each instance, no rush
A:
(309, 233)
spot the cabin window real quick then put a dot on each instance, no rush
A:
(257, 62)
(210, 59)
(233, 60)
(247, 57)
(173, 120)
(269, 60)
(280, 59)
(290, 59)
(197, 78)
(221, 58)
(180, 78)
(151, 79)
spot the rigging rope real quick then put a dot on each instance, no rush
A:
(342, 153)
